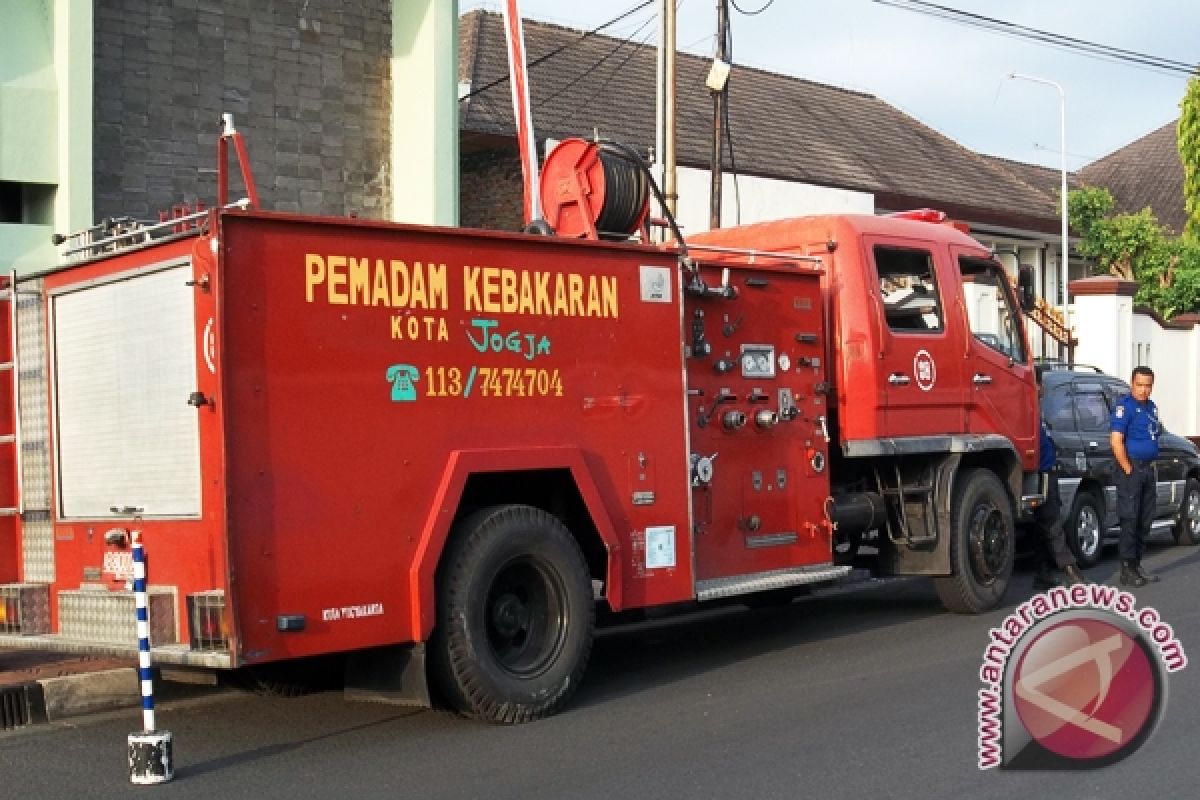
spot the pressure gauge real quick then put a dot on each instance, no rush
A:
(758, 361)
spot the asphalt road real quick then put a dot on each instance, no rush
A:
(864, 693)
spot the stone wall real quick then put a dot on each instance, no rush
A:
(490, 190)
(307, 81)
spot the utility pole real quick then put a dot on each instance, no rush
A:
(719, 85)
(664, 140)
(669, 187)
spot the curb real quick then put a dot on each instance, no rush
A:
(52, 699)
(87, 693)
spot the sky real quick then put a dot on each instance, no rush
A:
(949, 76)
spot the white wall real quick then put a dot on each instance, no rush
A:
(1115, 339)
(761, 199)
(1174, 355)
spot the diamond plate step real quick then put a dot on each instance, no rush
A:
(103, 616)
(773, 579)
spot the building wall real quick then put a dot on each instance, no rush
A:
(761, 199)
(1174, 355)
(308, 84)
(490, 190)
(490, 196)
(1116, 338)
(45, 136)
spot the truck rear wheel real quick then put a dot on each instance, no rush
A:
(982, 538)
(515, 616)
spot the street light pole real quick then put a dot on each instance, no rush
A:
(1062, 99)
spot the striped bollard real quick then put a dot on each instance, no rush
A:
(149, 750)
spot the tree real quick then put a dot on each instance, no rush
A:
(1137, 247)
(1188, 138)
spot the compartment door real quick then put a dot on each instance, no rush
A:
(124, 363)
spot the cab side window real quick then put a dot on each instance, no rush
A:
(994, 320)
(909, 290)
(1091, 410)
(1058, 409)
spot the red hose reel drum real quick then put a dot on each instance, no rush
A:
(591, 191)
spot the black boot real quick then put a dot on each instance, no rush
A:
(1074, 576)
(1148, 577)
(1043, 578)
(1130, 576)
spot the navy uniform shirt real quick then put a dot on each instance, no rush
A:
(1046, 452)
(1139, 423)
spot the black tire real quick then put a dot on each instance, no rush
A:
(1084, 529)
(515, 616)
(982, 544)
(1187, 528)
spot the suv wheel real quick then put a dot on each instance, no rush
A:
(1187, 529)
(1084, 529)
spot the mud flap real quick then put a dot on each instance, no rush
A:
(897, 559)
(393, 674)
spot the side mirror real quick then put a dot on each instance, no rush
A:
(1025, 290)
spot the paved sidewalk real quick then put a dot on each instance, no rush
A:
(40, 686)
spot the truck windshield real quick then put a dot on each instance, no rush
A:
(994, 321)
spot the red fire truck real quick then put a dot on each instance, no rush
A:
(437, 451)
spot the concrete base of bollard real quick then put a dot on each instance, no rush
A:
(150, 757)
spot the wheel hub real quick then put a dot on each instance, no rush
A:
(510, 616)
(989, 544)
(1088, 532)
(526, 618)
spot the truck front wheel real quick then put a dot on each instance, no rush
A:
(515, 616)
(982, 538)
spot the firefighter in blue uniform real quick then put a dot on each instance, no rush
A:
(1135, 432)
(1051, 550)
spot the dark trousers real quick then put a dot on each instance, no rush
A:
(1137, 495)
(1052, 547)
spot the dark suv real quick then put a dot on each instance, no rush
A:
(1076, 404)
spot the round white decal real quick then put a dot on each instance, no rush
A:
(210, 347)
(925, 370)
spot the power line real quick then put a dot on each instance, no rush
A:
(1061, 41)
(560, 48)
(755, 13)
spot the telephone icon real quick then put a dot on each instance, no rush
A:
(403, 377)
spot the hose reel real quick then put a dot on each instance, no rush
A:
(594, 190)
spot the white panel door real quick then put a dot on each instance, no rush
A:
(124, 365)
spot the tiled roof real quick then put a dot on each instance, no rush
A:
(782, 127)
(1147, 172)
(1047, 180)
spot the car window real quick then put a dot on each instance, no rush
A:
(1091, 410)
(1057, 408)
(1113, 392)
